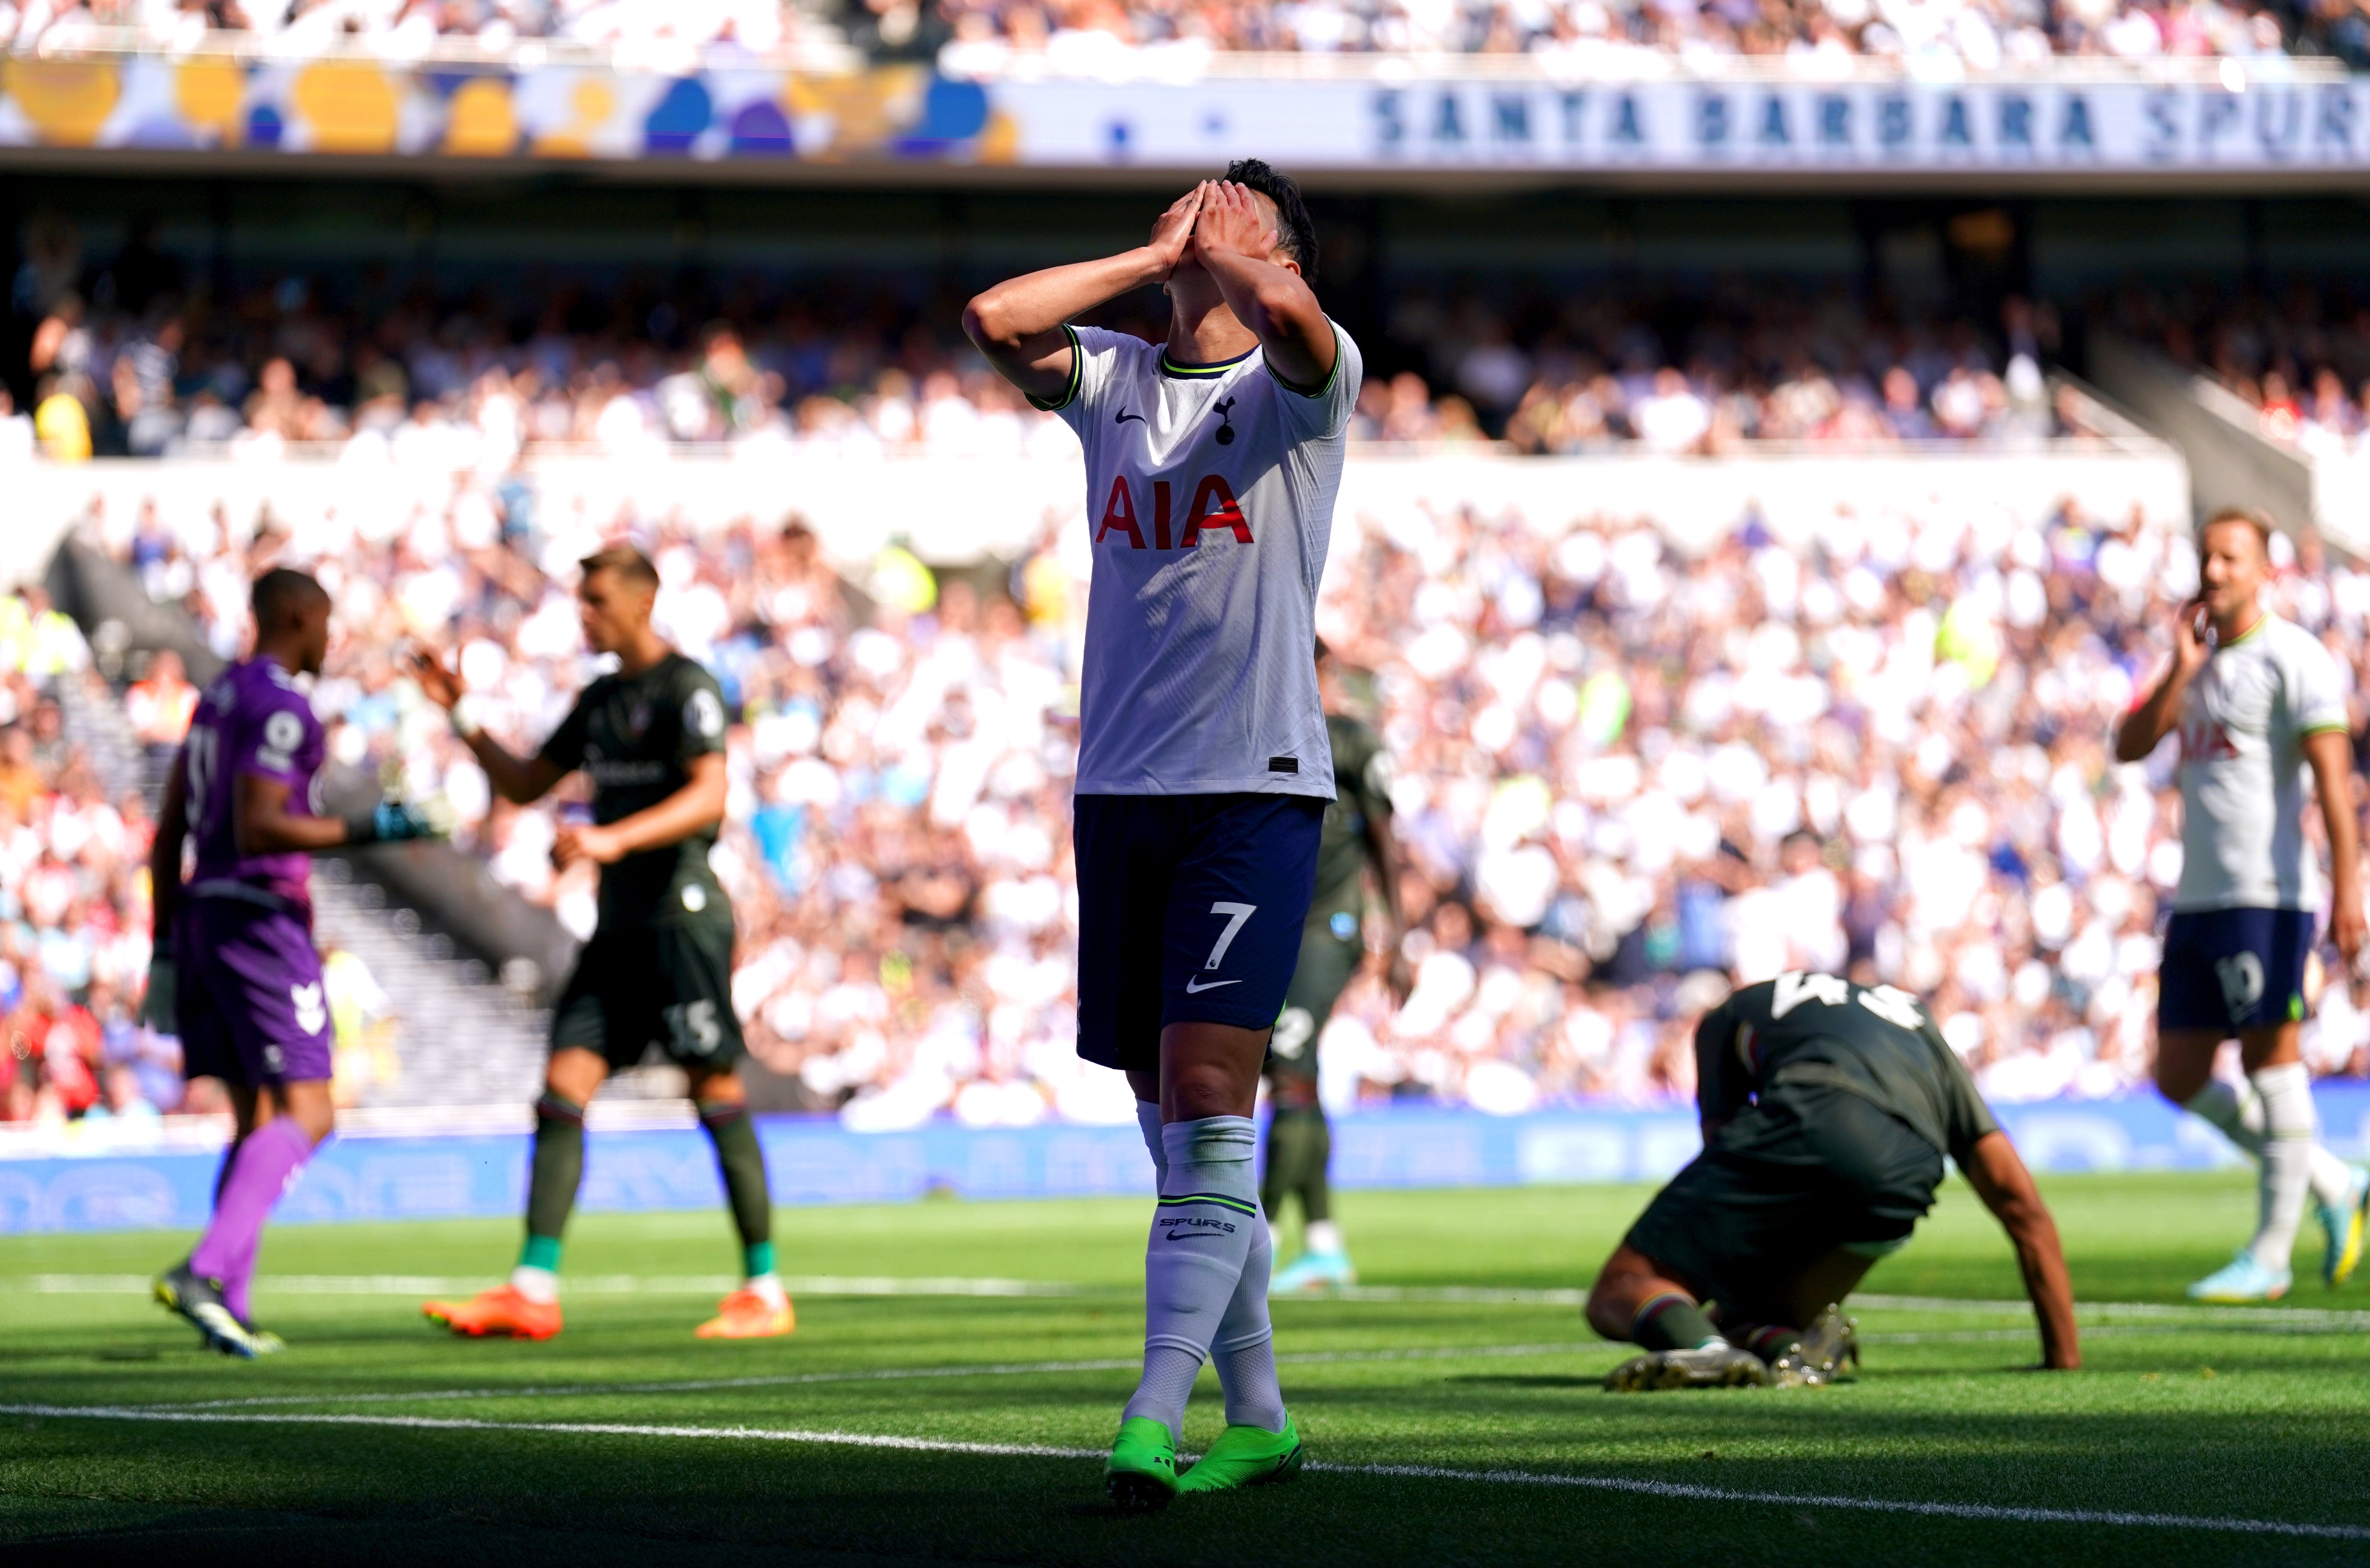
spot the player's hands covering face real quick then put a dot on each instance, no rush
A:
(1172, 235)
(1231, 221)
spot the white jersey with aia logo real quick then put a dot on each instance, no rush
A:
(1209, 500)
(2243, 721)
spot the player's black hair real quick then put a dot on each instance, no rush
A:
(1295, 230)
(282, 594)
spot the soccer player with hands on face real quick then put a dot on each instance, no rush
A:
(1204, 767)
(2256, 700)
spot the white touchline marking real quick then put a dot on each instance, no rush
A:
(588, 1285)
(875, 1375)
(1977, 1511)
(2003, 1512)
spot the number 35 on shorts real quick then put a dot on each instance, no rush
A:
(694, 1028)
(1235, 914)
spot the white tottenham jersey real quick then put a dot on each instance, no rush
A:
(1209, 500)
(2243, 721)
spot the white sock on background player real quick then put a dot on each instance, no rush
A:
(2288, 1130)
(1202, 1236)
(2238, 1111)
(1321, 1236)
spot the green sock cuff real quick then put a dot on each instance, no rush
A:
(540, 1253)
(757, 1259)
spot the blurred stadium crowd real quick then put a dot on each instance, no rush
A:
(990, 38)
(473, 381)
(2300, 357)
(1626, 777)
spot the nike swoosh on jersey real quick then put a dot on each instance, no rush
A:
(1124, 416)
(1194, 987)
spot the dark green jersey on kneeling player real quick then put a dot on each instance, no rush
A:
(1879, 1044)
(1362, 792)
(637, 737)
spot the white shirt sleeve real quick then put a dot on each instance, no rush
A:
(1096, 358)
(2316, 688)
(1325, 413)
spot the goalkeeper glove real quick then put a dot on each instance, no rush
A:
(157, 1006)
(391, 821)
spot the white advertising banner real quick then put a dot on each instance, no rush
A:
(1855, 127)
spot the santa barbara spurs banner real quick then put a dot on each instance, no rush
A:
(2263, 115)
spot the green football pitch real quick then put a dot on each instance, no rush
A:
(960, 1366)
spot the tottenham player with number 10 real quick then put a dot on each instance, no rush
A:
(1204, 766)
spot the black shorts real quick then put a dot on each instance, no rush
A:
(1190, 910)
(665, 983)
(1328, 960)
(2234, 969)
(1807, 1169)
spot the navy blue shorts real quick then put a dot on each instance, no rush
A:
(2234, 969)
(1190, 910)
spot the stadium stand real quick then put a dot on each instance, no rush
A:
(1628, 756)
(473, 379)
(1819, 41)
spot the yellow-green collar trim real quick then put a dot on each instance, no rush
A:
(1202, 372)
(2251, 632)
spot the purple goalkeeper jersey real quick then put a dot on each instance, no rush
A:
(252, 719)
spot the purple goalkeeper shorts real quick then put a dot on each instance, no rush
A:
(248, 999)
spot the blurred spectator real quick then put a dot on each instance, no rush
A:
(160, 705)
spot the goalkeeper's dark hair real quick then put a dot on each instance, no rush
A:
(1295, 230)
(282, 594)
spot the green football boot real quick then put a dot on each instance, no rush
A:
(1246, 1456)
(1142, 1474)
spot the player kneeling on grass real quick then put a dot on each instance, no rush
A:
(658, 968)
(1203, 762)
(1827, 1108)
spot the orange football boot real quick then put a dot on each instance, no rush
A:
(744, 1314)
(501, 1311)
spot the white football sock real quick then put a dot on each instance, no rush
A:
(1321, 1236)
(537, 1284)
(2235, 1110)
(1244, 1348)
(1148, 1121)
(1202, 1236)
(2238, 1111)
(2288, 1129)
(768, 1287)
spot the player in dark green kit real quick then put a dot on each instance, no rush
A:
(658, 968)
(1356, 835)
(1827, 1108)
